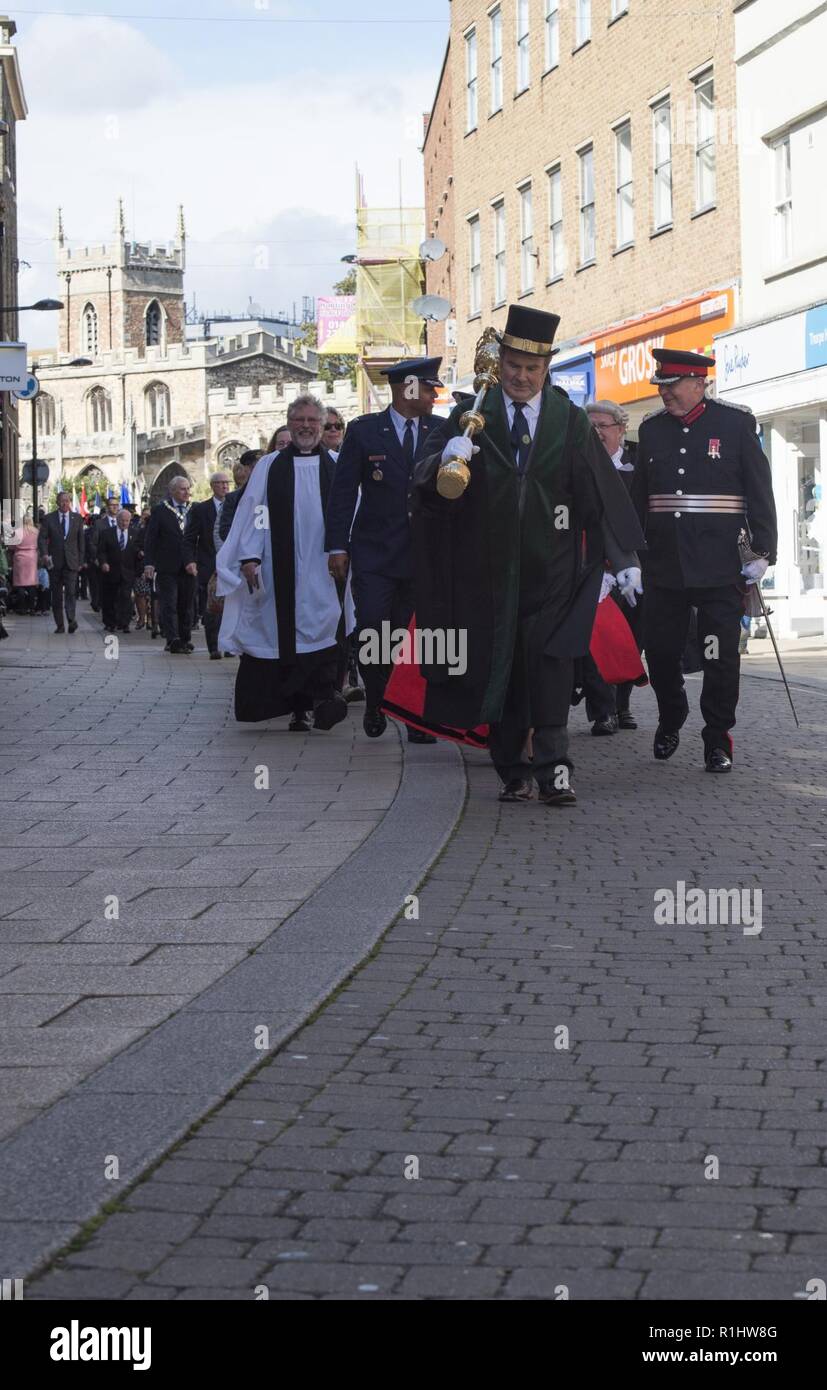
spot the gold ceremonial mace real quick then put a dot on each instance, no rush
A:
(454, 475)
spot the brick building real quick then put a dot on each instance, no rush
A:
(592, 172)
(12, 109)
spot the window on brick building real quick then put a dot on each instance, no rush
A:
(527, 262)
(471, 81)
(782, 201)
(495, 31)
(587, 223)
(500, 280)
(474, 267)
(100, 411)
(89, 330)
(154, 325)
(556, 245)
(552, 33)
(662, 163)
(45, 412)
(157, 405)
(624, 187)
(704, 141)
(582, 21)
(523, 50)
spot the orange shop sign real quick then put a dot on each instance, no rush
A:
(623, 358)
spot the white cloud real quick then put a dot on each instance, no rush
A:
(79, 64)
(252, 163)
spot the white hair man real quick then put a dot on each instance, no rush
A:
(284, 614)
(167, 562)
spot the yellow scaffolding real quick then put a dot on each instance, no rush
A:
(389, 275)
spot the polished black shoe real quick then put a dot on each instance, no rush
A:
(374, 723)
(299, 725)
(517, 790)
(73, 627)
(418, 736)
(354, 694)
(60, 629)
(215, 656)
(174, 648)
(626, 720)
(187, 648)
(718, 761)
(665, 744)
(601, 728)
(229, 656)
(557, 796)
(328, 713)
(155, 633)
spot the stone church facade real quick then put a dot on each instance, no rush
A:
(126, 395)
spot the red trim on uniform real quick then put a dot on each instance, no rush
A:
(680, 369)
(694, 414)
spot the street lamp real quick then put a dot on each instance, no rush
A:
(40, 306)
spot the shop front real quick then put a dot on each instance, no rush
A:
(575, 374)
(623, 362)
(779, 370)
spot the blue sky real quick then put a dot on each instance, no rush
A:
(253, 123)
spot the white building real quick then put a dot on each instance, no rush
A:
(776, 361)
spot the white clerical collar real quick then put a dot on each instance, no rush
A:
(532, 406)
(617, 460)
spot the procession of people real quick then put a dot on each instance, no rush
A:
(567, 567)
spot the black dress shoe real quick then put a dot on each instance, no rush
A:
(718, 761)
(73, 627)
(626, 720)
(601, 728)
(354, 694)
(174, 648)
(418, 736)
(215, 656)
(328, 713)
(557, 796)
(60, 629)
(517, 790)
(374, 723)
(187, 648)
(299, 725)
(125, 629)
(665, 744)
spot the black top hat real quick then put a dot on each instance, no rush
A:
(674, 366)
(530, 330)
(425, 368)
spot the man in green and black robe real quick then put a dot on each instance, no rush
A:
(518, 560)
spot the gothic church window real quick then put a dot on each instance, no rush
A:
(45, 410)
(100, 411)
(90, 330)
(154, 324)
(157, 405)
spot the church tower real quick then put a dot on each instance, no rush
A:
(120, 295)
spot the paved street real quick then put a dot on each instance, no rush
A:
(433, 1132)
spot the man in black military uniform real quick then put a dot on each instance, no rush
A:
(701, 479)
(378, 455)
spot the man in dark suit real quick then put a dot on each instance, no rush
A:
(378, 455)
(165, 556)
(202, 540)
(62, 549)
(118, 559)
(241, 476)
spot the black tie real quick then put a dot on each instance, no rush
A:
(520, 439)
(408, 445)
(123, 540)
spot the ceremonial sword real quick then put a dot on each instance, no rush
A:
(766, 613)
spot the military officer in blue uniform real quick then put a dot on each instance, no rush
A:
(378, 455)
(701, 480)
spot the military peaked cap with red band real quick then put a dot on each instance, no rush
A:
(673, 366)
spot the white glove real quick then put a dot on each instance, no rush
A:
(630, 584)
(459, 448)
(754, 570)
(609, 583)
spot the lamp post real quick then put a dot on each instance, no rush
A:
(40, 306)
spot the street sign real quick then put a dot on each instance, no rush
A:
(42, 473)
(14, 371)
(29, 391)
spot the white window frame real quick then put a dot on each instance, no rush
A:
(586, 204)
(618, 8)
(528, 263)
(661, 168)
(474, 265)
(624, 188)
(582, 22)
(500, 243)
(556, 239)
(705, 139)
(782, 177)
(552, 36)
(523, 54)
(471, 81)
(495, 37)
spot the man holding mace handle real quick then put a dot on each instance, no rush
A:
(512, 537)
